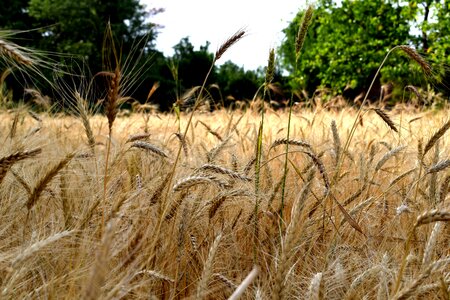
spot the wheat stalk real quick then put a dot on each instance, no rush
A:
(245, 284)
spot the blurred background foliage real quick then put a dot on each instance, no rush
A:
(344, 47)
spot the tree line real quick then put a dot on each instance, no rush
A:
(345, 45)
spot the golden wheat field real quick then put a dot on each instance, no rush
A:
(368, 220)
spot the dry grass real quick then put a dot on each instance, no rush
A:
(53, 207)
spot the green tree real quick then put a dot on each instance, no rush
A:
(438, 35)
(346, 43)
(14, 15)
(77, 27)
(234, 81)
(192, 65)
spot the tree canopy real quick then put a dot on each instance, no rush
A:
(348, 40)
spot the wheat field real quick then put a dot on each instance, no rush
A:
(146, 226)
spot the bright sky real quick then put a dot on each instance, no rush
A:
(216, 20)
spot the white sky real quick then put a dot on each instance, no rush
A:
(216, 20)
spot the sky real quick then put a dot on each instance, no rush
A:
(216, 20)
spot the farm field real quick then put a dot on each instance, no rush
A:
(153, 214)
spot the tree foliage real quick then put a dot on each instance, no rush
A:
(348, 40)
(78, 27)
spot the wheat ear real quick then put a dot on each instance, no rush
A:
(99, 268)
(207, 269)
(7, 161)
(442, 165)
(225, 171)
(433, 140)
(316, 287)
(285, 141)
(444, 189)
(45, 180)
(292, 232)
(12, 51)
(385, 117)
(228, 43)
(418, 58)
(150, 148)
(81, 105)
(432, 216)
(336, 140)
(387, 156)
(411, 289)
(209, 129)
(191, 181)
(35, 247)
(137, 137)
(428, 252)
(301, 34)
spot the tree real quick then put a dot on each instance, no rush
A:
(192, 65)
(438, 36)
(346, 43)
(14, 15)
(77, 27)
(234, 81)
